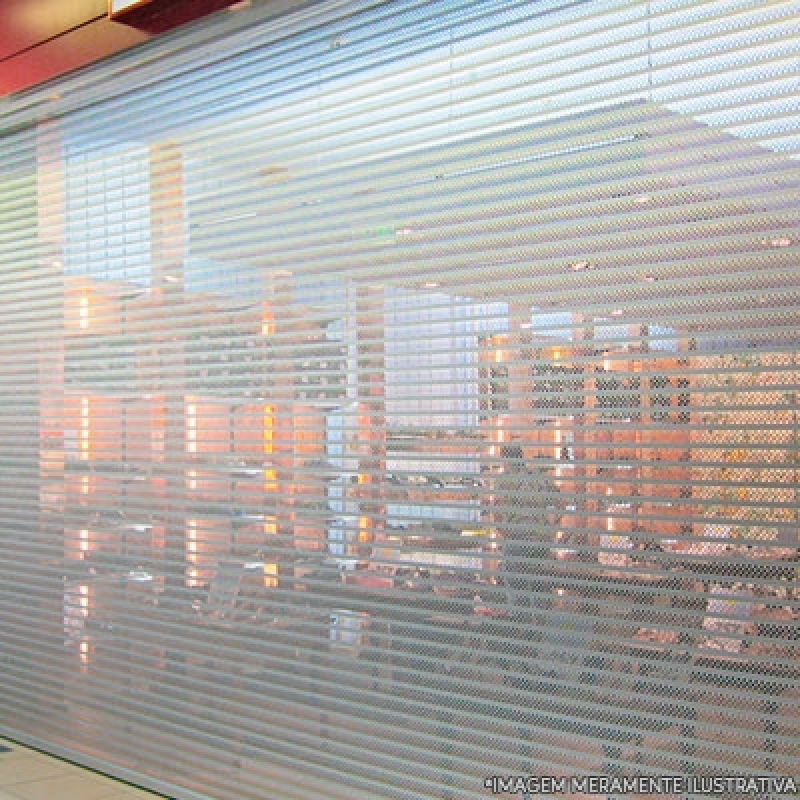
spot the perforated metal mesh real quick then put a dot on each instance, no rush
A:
(401, 396)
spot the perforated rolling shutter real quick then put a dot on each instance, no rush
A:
(400, 396)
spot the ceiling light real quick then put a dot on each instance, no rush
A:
(431, 285)
(780, 241)
(232, 218)
(578, 266)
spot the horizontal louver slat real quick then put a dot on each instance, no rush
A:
(399, 396)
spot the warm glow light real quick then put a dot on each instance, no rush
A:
(192, 479)
(84, 654)
(191, 541)
(84, 541)
(270, 576)
(502, 435)
(85, 484)
(83, 313)
(191, 428)
(83, 600)
(269, 429)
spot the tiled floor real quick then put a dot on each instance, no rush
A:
(29, 775)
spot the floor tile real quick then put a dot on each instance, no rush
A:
(69, 786)
(20, 767)
(27, 774)
(133, 793)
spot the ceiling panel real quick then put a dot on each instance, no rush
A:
(26, 23)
